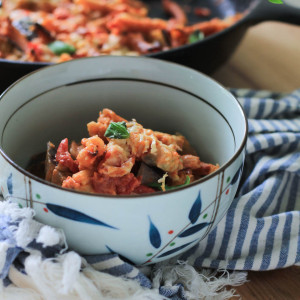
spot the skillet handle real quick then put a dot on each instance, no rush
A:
(288, 12)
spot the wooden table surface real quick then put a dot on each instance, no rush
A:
(267, 58)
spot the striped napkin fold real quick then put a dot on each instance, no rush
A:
(261, 230)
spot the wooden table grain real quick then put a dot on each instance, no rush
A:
(267, 58)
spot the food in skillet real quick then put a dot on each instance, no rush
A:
(56, 31)
(123, 157)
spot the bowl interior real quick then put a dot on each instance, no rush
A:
(62, 100)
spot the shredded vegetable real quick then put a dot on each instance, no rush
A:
(122, 157)
(55, 31)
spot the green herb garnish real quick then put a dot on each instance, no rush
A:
(117, 130)
(195, 36)
(59, 47)
(276, 1)
(157, 185)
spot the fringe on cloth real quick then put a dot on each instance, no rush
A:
(203, 284)
(67, 276)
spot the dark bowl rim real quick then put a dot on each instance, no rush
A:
(138, 196)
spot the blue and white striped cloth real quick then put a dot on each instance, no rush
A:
(261, 230)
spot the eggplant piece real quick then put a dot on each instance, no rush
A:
(25, 27)
(58, 176)
(53, 171)
(6, 46)
(43, 33)
(50, 161)
(149, 174)
(23, 31)
(149, 159)
(75, 149)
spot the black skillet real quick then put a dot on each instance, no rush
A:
(206, 55)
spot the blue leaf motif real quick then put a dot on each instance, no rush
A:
(9, 184)
(237, 175)
(75, 215)
(195, 210)
(154, 235)
(193, 229)
(175, 249)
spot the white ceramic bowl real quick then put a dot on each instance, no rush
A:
(58, 101)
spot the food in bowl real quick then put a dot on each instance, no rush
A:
(122, 157)
(56, 31)
(166, 97)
